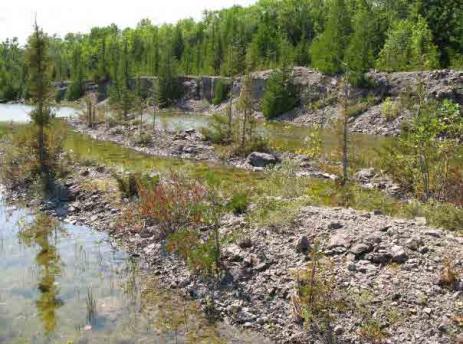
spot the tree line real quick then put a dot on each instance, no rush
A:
(332, 36)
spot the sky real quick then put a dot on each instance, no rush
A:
(63, 16)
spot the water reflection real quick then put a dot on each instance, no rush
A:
(41, 232)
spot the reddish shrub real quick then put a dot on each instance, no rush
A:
(174, 204)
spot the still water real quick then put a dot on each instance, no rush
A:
(19, 113)
(68, 284)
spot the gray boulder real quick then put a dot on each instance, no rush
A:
(258, 159)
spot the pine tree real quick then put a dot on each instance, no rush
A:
(76, 88)
(168, 90)
(280, 94)
(327, 50)
(40, 90)
(363, 44)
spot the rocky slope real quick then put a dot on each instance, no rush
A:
(389, 271)
(318, 93)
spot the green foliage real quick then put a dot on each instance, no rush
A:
(268, 34)
(220, 93)
(328, 49)
(238, 204)
(409, 46)
(218, 130)
(281, 95)
(39, 83)
(390, 109)
(200, 256)
(76, 88)
(363, 44)
(168, 87)
(130, 185)
(12, 76)
(420, 160)
(21, 163)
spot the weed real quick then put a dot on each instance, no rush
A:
(371, 332)
(316, 299)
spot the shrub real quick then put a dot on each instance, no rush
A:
(20, 162)
(130, 185)
(174, 204)
(449, 276)
(239, 203)
(143, 139)
(200, 256)
(257, 144)
(219, 130)
(390, 110)
(316, 300)
(420, 160)
(281, 95)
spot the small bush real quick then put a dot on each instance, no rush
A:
(372, 332)
(219, 131)
(174, 204)
(130, 185)
(390, 110)
(316, 300)
(239, 203)
(143, 139)
(200, 256)
(449, 277)
(257, 144)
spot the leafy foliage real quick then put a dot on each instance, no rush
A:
(422, 157)
(328, 49)
(409, 46)
(269, 34)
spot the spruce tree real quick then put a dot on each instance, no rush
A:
(327, 50)
(280, 94)
(76, 88)
(40, 90)
(168, 89)
(363, 44)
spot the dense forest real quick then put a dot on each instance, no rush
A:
(333, 36)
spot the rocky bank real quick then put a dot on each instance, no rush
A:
(389, 269)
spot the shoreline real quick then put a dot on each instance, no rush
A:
(387, 256)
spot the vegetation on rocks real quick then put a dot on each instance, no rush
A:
(281, 95)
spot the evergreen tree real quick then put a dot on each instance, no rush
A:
(168, 89)
(76, 88)
(121, 96)
(328, 49)
(364, 43)
(40, 90)
(280, 94)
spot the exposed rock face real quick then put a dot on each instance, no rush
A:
(258, 159)
(318, 94)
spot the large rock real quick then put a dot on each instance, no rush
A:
(258, 159)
